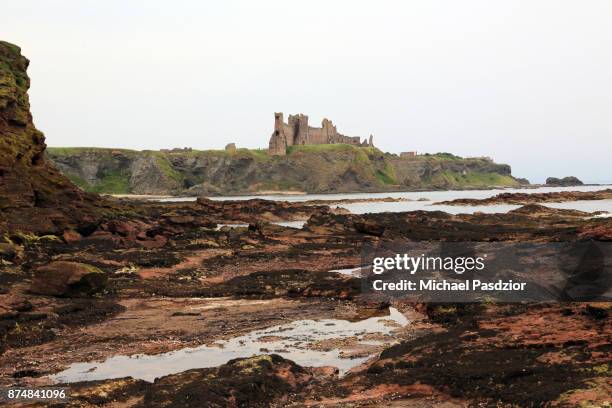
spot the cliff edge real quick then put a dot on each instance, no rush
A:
(331, 168)
(34, 195)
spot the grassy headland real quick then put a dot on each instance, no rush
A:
(312, 168)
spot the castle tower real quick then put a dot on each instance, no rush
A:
(302, 136)
(278, 140)
(278, 120)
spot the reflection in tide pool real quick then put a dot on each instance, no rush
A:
(358, 272)
(222, 226)
(291, 224)
(293, 341)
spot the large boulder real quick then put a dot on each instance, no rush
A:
(63, 278)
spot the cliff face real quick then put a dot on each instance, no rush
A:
(34, 195)
(313, 169)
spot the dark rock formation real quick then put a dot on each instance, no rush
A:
(34, 195)
(245, 382)
(563, 182)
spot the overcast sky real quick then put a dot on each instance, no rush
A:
(528, 83)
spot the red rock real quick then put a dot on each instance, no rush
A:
(158, 242)
(597, 232)
(71, 236)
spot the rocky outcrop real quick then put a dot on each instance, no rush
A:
(152, 174)
(445, 171)
(34, 195)
(563, 182)
(310, 168)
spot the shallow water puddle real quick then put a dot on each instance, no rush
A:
(224, 302)
(358, 272)
(291, 224)
(306, 342)
(220, 226)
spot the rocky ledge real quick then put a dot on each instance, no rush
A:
(531, 198)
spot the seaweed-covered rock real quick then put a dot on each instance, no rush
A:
(245, 382)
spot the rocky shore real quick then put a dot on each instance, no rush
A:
(173, 281)
(84, 279)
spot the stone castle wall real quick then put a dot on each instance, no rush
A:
(297, 132)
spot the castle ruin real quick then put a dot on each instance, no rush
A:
(297, 132)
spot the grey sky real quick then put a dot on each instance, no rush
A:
(528, 83)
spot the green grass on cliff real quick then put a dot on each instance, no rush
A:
(470, 179)
(324, 148)
(255, 154)
(116, 182)
(261, 155)
(111, 183)
(74, 151)
(336, 163)
(166, 167)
